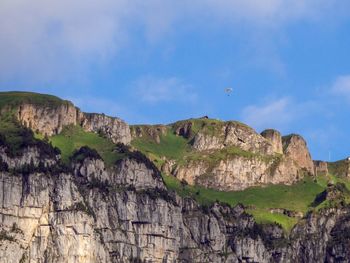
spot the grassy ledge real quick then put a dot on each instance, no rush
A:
(259, 200)
(74, 137)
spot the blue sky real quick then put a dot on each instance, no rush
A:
(157, 61)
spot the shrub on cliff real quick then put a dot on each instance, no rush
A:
(85, 152)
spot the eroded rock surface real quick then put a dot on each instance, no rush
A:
(50, 120)
(275, 138)
(90, 213)
(295, 147)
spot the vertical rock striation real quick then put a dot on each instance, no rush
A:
(50, 120)
(125, 214)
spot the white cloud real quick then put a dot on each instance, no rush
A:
(341, 86)
(273, 12)
(281, 113)
(50, 39)
(156, 90)
(273, 114)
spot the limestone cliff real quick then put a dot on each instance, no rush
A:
(90, 213)
(114, 128)
(295, 147)
(214, 135)
(227, 155)
(239, 172)
(51, 119)
(47, 119)
(275, 138)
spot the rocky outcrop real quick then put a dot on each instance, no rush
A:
(275, 138)
(231, 134)
(239, 172)
(50, 120)
(46, 119)
(154, 132)
(231, 156)
(321, 168)
(295, 148)
(125, 214)
(113, 128)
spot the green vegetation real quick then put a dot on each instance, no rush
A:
(259, 200)
(205, 126)
(15, 98)
(74, 137)
(339, 168)
(15, 137)
(170, 146)
(178, 148)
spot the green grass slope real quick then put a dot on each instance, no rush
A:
(259, 200)
(74, 137)
(14, 98)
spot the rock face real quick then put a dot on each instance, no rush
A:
(238, 173)
(295, 148)
(232, 156)
(50, 120)
(90, 213)
(114, 128)
(321, 168)
(155, 132)
(232, 134)
(275, 138)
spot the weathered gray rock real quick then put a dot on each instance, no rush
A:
(50, 120)
(232, 134)
(239, 172)
(125, 214)
(113, 128)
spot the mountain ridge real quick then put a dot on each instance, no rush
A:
(118, 200)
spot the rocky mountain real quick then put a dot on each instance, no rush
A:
(50, 119)
(230, 155)
(83, 210)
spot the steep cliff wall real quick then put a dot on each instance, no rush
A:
(51, 119)
(295, 147)
(88, 213)
(275, 138)
(47, 119)
(239, 172)
(113, 128)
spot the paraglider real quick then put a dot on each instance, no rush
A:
(228, 91)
